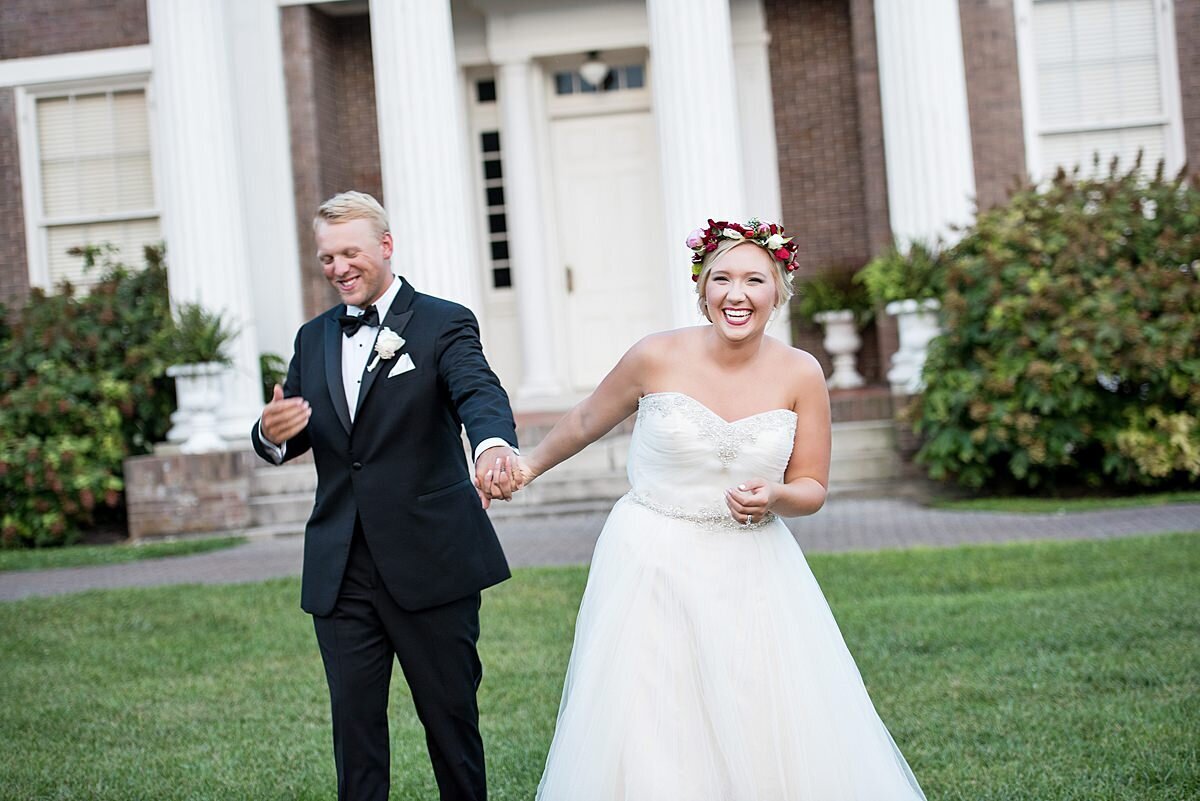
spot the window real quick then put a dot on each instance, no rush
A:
(1099, 78)
(94, 181)
(497, 221)
(632, 76)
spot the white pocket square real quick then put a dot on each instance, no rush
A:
(402, 365)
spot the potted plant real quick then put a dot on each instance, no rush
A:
(199, 340)
(909, 285)
(841, 306)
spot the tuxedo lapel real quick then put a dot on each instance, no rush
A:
(396, 320)
(333, 371)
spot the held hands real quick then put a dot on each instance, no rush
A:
(750, 501)
(283, 418)
(497, 475)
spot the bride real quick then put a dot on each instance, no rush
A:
(706, 662)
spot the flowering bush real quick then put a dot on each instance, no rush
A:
(1071, 355)
(81, 388)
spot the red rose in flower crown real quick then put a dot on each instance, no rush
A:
(768, 236)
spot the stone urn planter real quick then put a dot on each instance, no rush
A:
(198, 397)
(199, 339)
(917, 324)
(842, 343)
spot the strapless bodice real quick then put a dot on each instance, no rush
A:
(683, 456)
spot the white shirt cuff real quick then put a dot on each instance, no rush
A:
(276, 452)
(492, 442)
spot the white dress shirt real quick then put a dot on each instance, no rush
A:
(356, 352)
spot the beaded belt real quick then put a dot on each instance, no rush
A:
(713, 518)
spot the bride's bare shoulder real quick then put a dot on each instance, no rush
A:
(796, 361)
(807, 377)
(664, 346)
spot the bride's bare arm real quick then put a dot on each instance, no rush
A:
(806, 479)
(612, 401)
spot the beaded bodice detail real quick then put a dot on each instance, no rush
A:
(683, 456)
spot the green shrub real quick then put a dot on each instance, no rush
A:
(1070, 357)
(274, 370)
(197, 335)
(833, 291)
(918, 274)
(82, 386)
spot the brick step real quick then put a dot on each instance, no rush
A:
(283, 480)
(286, 508)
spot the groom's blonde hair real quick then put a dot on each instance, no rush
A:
(347, 206)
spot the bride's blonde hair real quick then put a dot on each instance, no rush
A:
(783, 279)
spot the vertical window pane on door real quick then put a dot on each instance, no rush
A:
(96, 177)
(485, 91)
(1099, 87)
(497, 219)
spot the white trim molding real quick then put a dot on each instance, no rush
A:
(76, 67)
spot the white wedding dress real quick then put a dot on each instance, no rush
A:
(706, 664)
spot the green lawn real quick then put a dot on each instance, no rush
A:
(1040, 671)
(85, 555)
(1045, 506)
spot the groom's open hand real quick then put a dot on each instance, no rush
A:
(496, 475)
(283, 418)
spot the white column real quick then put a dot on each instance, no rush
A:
(760, 154)
(266, 170)
(203, 222)
(696, 110)
(527, 236)
(926, 128)
(423, 150)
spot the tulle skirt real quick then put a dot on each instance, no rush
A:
(707, 666)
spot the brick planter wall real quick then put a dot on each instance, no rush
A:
(171, 494)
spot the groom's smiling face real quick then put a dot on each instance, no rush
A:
(356, 259)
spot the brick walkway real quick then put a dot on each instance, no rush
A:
(844, 524)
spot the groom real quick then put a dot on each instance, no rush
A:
(398, 546)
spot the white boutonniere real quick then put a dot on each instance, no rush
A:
(386, 345)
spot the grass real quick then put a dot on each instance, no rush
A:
(88, 555)
(1049, 506)
(1047, 671)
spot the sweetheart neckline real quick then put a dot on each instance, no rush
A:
(714, 414)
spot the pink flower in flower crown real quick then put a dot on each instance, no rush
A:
(764, 229)
(696, 239)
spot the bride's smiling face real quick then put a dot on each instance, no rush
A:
(740, 293)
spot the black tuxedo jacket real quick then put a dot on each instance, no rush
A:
(400, 467)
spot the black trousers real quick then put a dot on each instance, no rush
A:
(436, 650)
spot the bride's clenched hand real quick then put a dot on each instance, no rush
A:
(523, 473)
(750, 501)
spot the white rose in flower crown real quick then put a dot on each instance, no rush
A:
(729, 233)
(775, 242)
(386, 345)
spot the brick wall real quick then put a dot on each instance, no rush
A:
(14, 270)
(358, 127)
(993, 98)
(331, 111)
(40, 28)
(1187, 37)
(816, 83)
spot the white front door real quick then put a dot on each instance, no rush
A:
(610, 238)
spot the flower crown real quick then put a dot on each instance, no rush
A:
(768, 236)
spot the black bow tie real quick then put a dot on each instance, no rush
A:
(350, 323)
